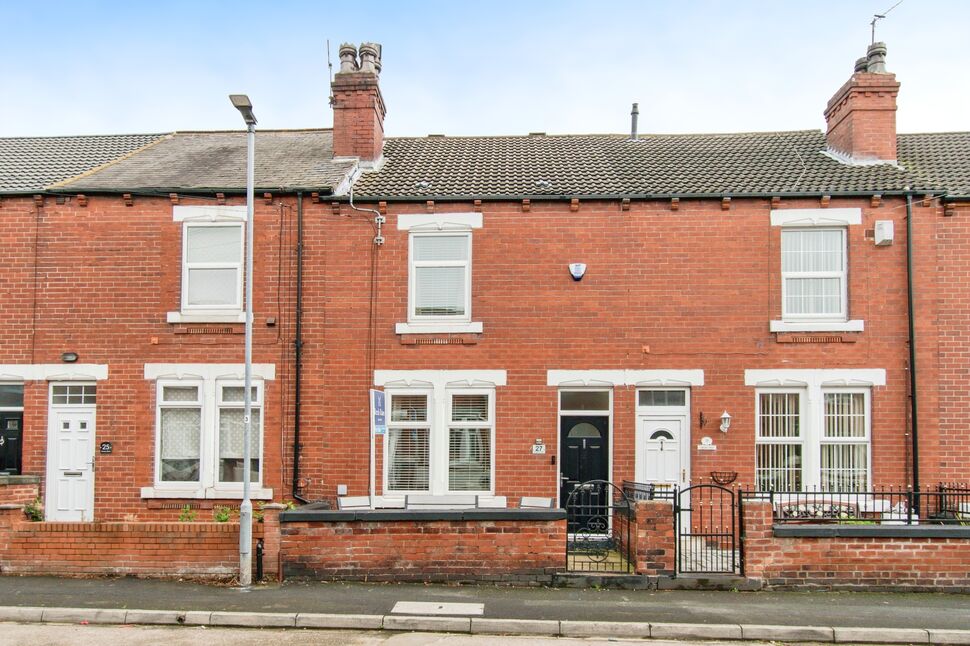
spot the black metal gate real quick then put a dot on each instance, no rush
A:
(598, 516)
(706, 522)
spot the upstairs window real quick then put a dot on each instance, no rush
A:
(813, 274)
(440, 276)
(814, 265)
(212, 267)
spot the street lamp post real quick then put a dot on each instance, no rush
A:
(242, 103)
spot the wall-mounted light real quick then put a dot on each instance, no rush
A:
(69, 357)
(577, 270)
(725, 422)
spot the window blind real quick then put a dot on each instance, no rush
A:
(469, 459)
(407, 455)
(813, 268)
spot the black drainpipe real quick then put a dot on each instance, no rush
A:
(912, 338)
(298, 348)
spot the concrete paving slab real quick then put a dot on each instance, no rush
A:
(78, 615)
(27, 614)
(442, 624)
(515, 626)
(253, 619)
(424, 608)
(882, 635)
(788, 633)
(695, 631)
(604, 629)
(950, 637)
(320, 620)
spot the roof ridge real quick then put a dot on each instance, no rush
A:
(612, 135)
(92, 171)
(129, 134)
(942, 132)
(258, 131)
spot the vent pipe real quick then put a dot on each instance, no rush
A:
(633, 121)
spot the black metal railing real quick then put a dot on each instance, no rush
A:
(638, 490)
(947, 504)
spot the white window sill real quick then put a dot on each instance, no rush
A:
(817, 326)
(439, 327)
(205, 494)
(207, 317)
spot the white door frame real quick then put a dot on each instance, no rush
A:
(659, 413)
(50, 476)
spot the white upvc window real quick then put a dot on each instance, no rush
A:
(440, 445)
(199, 438)
(439, 273)
(407, 462)
(813, 439)
(813, 274)
(440, 277)
(212, 266)
(815, 270)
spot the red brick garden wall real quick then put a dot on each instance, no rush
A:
(418, 550)
(18, 494)
(845, 563)
(197, 550)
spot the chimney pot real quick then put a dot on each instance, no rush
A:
(370, 58)
(876, 58)
(348, 59)
(861, 64)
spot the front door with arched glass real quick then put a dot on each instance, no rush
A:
(584, 451)
(661, 451)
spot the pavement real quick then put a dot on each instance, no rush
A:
(697, 615)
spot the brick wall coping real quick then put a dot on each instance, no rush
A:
(871, 531)
(18, 480)
(173, 527)
(372, 515)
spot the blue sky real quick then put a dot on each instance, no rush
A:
(461, 68)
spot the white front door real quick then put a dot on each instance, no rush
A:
(663, 451)
(70, 465)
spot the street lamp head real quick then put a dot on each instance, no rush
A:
(242, 103)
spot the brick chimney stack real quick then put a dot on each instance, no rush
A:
(358, 107)
(861, 117)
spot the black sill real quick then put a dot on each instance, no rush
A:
(872, 531)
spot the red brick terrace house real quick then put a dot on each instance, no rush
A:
(539, 310)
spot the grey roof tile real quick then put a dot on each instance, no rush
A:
(578, 165)
(217, 160)
(33, 163)
(534, 165)
(938, 160)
